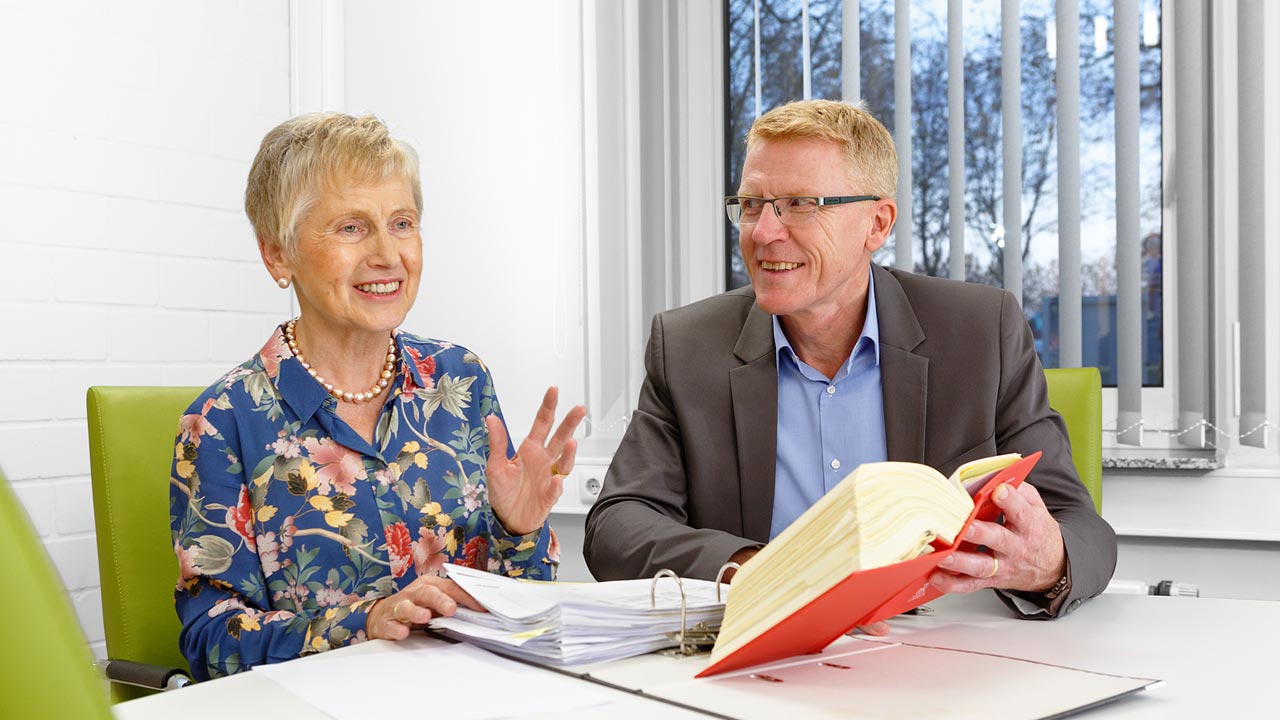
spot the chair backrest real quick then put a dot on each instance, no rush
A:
(1076, 395)
(131, 440)
(48, 669)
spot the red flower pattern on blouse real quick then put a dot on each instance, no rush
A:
(399, 548)
(429, 554)
(240, 519)
(426, 367)
(476, 554)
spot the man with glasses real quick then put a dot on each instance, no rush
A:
(758, 401)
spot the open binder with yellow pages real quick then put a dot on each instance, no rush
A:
(861, 554)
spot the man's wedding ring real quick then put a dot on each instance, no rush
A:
(555, 470)
(995, 566)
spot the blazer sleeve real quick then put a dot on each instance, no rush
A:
(1026, 424)
(639, 523)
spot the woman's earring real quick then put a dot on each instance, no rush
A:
(283, 283)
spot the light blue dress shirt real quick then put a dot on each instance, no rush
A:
(826, 428)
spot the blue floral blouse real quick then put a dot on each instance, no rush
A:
(288, 525)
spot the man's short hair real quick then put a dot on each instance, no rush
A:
(304, 156)
(868, 146)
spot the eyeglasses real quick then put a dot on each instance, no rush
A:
(791, 210)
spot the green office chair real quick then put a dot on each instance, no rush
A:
(131, 439)
(48, 670)
(1076, 394)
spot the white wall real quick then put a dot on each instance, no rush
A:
(495, 111)
(126, 259)
(494, 108)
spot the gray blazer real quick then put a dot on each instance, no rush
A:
(692, 482)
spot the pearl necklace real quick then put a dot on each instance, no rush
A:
(388, 369)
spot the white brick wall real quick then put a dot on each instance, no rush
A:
(126, 258)
(122, 164)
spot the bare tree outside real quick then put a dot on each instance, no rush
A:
(781, 81)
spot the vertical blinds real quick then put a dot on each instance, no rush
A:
(1252, 212)
(1011, 144)
(955, 136)
(902, 130)
(1067, 27)
(1189, 187)
(1191, 169)
(1128, 232)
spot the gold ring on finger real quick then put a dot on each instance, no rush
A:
(995, 566)
(395, 613)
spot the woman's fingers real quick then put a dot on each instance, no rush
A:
(498, 440)
(545, 417)
(382, 623)
(460, 596)
(565, 464)
(394, 616)
(564, 434)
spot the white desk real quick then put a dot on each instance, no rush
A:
(1216, 656)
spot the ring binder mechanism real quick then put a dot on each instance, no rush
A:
(689, 640)
(720, 576)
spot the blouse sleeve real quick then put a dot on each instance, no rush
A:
(228, 623)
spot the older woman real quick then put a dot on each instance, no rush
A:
(318, 489)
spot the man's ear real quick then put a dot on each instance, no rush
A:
(882, 224)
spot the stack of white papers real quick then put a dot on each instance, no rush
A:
(577, 623)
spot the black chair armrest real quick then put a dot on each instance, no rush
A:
(153, 677)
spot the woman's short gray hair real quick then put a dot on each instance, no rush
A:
(303, 156)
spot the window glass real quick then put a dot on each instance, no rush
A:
(781, 79)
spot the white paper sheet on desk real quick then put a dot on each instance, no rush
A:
(425, 682)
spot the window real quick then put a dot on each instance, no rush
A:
(782, 77)
(1089, 300)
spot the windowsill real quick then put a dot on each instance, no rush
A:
(1229, 504)
(1164, 461)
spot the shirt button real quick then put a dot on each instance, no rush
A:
(831, 389)
(835, 464)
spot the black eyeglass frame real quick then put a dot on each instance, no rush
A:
(733, 203)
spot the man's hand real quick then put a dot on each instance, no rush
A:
(1026, 552)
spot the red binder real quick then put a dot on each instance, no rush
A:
(867, 596)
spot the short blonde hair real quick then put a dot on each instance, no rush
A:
(305, 155)
(868, 146)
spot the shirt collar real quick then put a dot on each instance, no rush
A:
(293, 383)
(870, 329)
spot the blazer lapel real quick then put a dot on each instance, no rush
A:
(904, 375)
(754, 391)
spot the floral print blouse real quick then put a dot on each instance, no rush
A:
(288, 525)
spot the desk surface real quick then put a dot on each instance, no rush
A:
(1215, 656)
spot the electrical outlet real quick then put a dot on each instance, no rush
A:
(589, 489)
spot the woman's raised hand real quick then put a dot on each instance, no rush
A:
(523, 490)
(392, 617)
